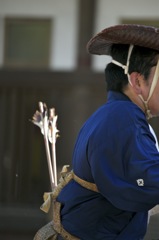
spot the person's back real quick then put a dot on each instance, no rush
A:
(103, 147)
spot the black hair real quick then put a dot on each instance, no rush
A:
(141, 60)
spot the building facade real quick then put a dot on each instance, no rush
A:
(43, 57)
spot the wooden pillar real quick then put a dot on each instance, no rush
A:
(86, 26)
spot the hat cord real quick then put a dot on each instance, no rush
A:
(153, 84)
(152, 88)
(125, 67)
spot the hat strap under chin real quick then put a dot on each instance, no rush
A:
(152, 88)
(153, 84)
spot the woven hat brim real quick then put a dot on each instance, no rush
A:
(140, 35)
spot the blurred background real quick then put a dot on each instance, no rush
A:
(43, 57)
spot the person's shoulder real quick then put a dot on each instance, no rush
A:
(126, 114)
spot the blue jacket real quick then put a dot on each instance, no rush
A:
(115, 150)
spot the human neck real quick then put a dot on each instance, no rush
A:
(134, 97)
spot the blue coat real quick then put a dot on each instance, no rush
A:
(115, 150)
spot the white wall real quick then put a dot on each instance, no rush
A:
(64, 14)
(110, 12)
(64, 34)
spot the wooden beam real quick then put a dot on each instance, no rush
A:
(47, 79)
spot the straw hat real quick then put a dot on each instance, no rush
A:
(144, 36)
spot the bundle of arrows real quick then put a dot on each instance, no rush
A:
(47, 122)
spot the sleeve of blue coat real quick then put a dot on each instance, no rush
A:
(155, 137)
(125, 168)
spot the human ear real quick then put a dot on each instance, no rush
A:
(135, 79)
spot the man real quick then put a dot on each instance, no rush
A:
(115, 180)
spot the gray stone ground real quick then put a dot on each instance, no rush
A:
(153, 226)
